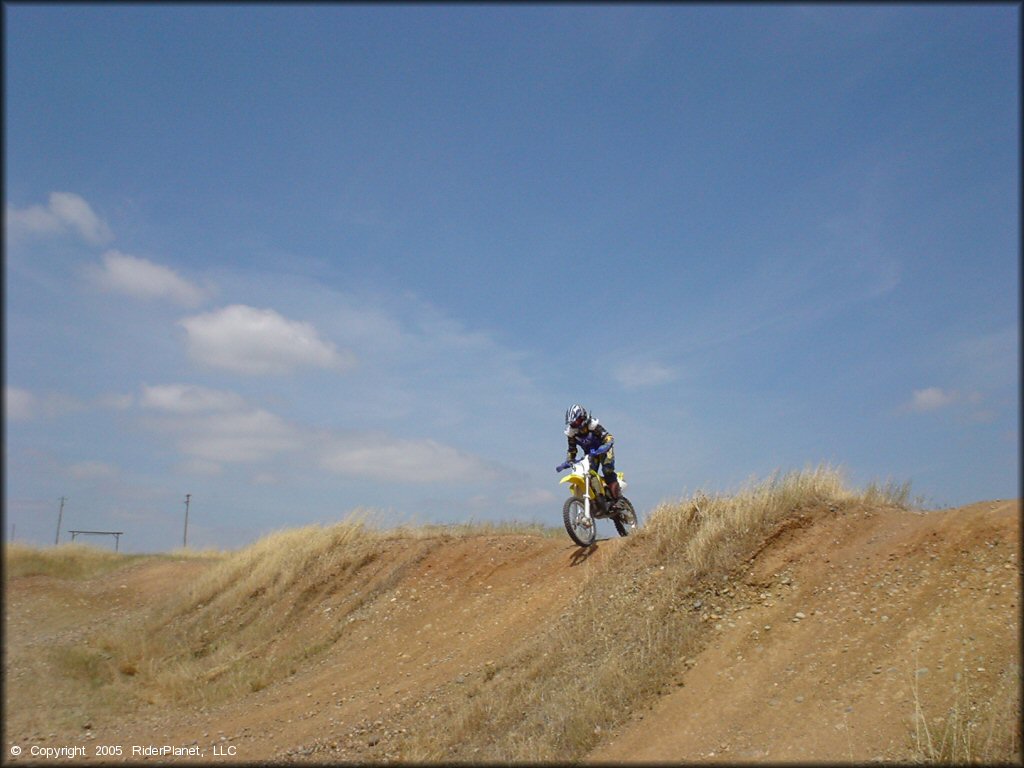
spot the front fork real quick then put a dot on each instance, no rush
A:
(589, 503)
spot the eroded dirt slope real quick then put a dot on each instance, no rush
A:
(460, 606)
(836, 625)
(840, 629)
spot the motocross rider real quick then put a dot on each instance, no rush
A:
(583, 431)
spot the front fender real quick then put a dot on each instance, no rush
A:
(577, 484)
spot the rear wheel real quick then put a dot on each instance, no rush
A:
(625, 517)
(578, 523)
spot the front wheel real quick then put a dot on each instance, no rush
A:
(578, 523)
(625, 517)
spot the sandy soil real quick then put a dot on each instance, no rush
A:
(841, 630)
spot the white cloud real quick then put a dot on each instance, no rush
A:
(932, 398)
(123, 273)
(253, 341)
(188, 398)
(402, 460)
(633, 375)
(66, 212)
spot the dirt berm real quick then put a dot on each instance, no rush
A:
(847, 633)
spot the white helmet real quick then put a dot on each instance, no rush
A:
(576, 416)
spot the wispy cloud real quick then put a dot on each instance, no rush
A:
(19, 404)
(532, 497)
(141, 278)
(189, 398)
(637, 374)
(401, 460)
(24, 405)
(936, 398)
(65, 213)
(983, 371)
(932, 398)
(252, 341)
(240, 437)
(992, 358)
(116, 401)
(213, 427)
(775, 296)
(93, 470)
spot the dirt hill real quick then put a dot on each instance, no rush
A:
(846, 631)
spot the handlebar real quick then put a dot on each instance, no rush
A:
(566, 464)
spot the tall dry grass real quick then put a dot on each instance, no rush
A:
(627, 634)
(971, 731)
(66, 561)
(82, 561)
(708, 531)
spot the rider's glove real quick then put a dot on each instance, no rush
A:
(599, 451)
(563, 465)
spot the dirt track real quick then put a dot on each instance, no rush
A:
(816, 655)
(820, 661)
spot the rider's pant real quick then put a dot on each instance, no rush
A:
(605, 464)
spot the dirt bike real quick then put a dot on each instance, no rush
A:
(590, 501)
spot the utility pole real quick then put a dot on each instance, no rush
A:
(187, 497)
(60, 516)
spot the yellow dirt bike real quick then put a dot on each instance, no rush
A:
(589, 502)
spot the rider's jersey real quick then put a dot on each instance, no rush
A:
(588, 437)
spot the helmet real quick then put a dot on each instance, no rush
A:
(576, 416)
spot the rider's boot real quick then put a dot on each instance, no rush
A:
(613, 488)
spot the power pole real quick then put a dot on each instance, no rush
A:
(60, 516)
(187, 497)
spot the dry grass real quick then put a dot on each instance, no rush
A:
(82, 561)
(971, 731)
(711, 530)
(67, 561)
(587, 672)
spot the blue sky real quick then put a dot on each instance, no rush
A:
(297, 260)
